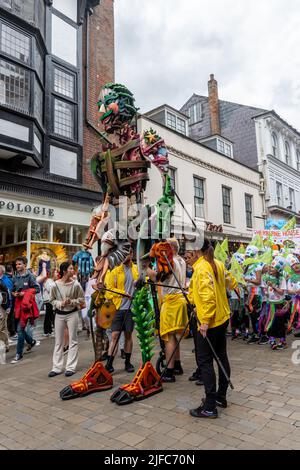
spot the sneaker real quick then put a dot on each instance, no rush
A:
(69, 373)
(123, 354)
(201, 412)
(109, 368)
(194, 377)
(169, 379)
(273, 345)
(178, 370)
(17, 358)
(30, 346)
(200, 382)
(253, 340)
(263, 340)
(52, 373)
(129, 367)
(221, 402)
(282, 346)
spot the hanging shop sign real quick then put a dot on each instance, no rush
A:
(210, 227)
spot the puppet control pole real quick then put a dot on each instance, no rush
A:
(197, 319)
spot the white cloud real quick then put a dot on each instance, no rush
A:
(166, 50)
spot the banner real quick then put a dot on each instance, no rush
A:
(280, 236)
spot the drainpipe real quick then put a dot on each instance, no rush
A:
(87, 78)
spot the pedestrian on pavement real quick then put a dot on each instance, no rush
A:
(49, 313)
(11, 322)
(209, 291)
(67, 298)
(121, 280)
(192, 259)
(5, 292)
(26, 311)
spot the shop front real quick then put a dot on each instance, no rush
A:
(41, 231)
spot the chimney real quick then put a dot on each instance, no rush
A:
(213, 101)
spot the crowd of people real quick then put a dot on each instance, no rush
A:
(253, 296)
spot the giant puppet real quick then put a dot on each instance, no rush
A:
(121, 169)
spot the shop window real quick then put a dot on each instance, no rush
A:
(22, 232)
(78, 235)
(61, 233)
(40, 231)
(62, 48)
(10, 235)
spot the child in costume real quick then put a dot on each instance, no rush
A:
(252, 277)
(264, 314)
(237, 306)
(276, 303)
(293, 288)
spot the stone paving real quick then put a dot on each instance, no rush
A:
(264, 411)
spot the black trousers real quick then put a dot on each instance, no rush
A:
(217, 338)
(194, 327)
(49, 319)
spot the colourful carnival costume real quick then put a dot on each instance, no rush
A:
(173, 313)
(293, 287)
(252, 276)
(276, 304)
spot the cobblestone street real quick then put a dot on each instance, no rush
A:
(264, 411)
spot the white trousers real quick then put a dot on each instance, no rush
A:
(71, 320)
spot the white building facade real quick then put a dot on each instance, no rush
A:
(278, 148)
(222, 195)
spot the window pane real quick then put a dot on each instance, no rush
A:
(14, 86)
(40, 231)
(171, 121)
(64, 83)
(63, 162)
(172, 174)
(67, 7)
(78, 235)
(10, 234)
(181, 125)
(199, 197)
(226, 205)
(38, 101)
(64, 119)
(64, 40)
(15, 44)
(22, 231)
(39, 65)
(221, 146)
(61, 233)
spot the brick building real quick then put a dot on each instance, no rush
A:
(54, 57)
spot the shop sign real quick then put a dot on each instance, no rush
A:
(210, 227)
(26, 209)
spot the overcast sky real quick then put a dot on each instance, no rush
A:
(166, 50)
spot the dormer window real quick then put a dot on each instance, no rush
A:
(224, 147)
(195, 113)
(275, 145)
(176, 123)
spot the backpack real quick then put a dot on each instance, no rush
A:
(5, 304)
